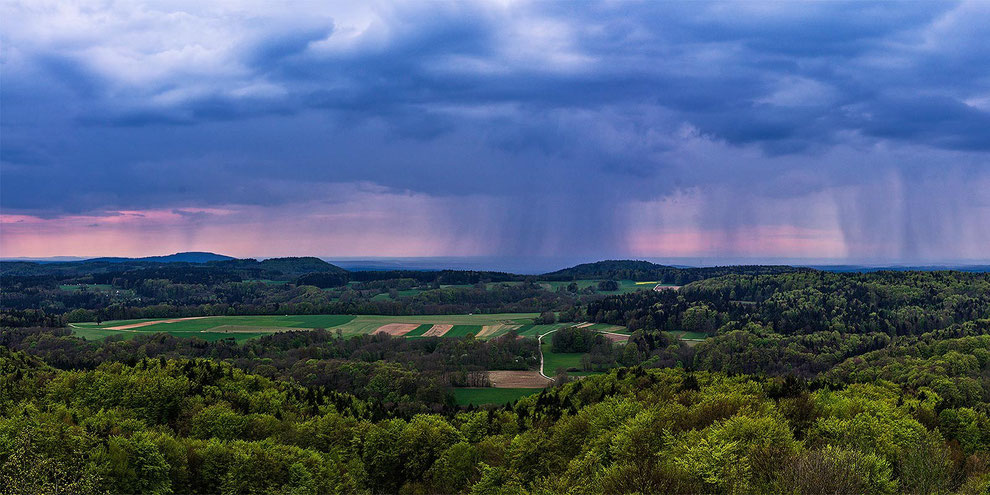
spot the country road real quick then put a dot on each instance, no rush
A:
(540, 342)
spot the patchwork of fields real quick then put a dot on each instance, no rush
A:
(505, 388)
(242, 328)
(484, 326)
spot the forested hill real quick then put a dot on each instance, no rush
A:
(187, 257)
(644, 270)
(273, 268)
(289, 266)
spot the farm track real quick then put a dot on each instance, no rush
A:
(539, 342)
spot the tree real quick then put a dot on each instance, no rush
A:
(608, 286)
(545, 318)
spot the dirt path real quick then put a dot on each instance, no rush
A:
(149, 323)
(614, 337)
(540, 343)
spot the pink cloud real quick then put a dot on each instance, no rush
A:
(370, 224)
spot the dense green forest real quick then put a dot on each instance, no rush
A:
(792, 381)
(200, 426)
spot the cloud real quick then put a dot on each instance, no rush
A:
(542, 127)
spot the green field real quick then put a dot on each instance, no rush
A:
(242, 328)
(99, 334)
(553, 360)
(420, 330)
(491, 395)
(462, 330)
(232, 323)
(625, 286)
(605, 327)
(369, 323)
(537, 330)
(245, 327)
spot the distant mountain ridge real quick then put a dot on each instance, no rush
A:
(198, 257)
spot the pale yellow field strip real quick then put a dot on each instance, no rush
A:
(396, 329)
(438, 330)
(487, 330)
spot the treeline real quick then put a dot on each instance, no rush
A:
(47, 294)
(440, 277)
(105, 269)
(404, 375)
(895, 303)
(645, 271)
(195, 426)
(160, 298)
(802, 323)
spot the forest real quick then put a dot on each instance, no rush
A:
(793, 381)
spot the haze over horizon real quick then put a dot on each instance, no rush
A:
(853, 132)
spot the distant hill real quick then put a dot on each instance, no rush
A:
(180, 266)
(646, 271)
(281, 268)
(187, 257)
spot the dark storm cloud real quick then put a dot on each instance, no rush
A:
(560, 111)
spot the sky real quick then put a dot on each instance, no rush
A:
(850, 132)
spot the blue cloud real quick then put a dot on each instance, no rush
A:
(457, 99)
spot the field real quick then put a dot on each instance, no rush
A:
(625, 286)
(517, 379)
(245, 327)
(553, 360)
(479, 396)
(419, 331)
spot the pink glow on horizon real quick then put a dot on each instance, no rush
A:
(391, 226)
(763, 240)
(349, 233)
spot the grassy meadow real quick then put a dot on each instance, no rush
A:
(554, 360)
